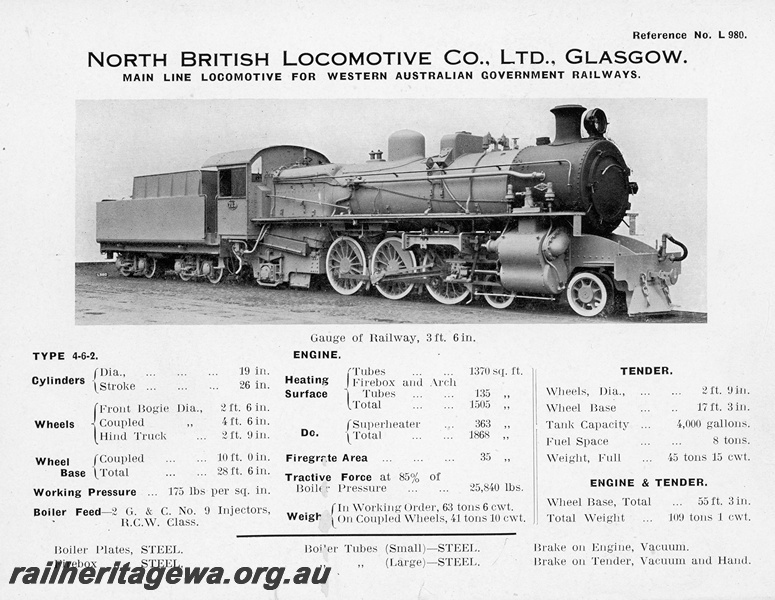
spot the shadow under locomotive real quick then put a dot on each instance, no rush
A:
(478, 220)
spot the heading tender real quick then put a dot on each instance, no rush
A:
(478, 219)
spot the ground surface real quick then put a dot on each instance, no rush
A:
(103, 297)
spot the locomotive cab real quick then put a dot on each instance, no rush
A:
(244, 178)
(481, 219)
(236, 191)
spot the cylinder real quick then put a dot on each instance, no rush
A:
(524, 268)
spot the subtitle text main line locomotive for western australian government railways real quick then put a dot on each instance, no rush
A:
(479, 219)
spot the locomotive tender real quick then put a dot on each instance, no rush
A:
(478, 219)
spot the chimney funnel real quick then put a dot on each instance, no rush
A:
(568, 123)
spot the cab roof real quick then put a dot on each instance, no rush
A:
(243, 157)
(233, 158)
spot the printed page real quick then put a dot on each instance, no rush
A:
(387, 300)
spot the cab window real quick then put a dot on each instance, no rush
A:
(231, 182)
(255, 170)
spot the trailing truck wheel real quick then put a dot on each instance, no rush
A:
(589, 295)
(498, 297)
(389, 257)
(215, 275)
(346, 257)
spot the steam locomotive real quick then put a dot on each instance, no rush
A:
(482, 218)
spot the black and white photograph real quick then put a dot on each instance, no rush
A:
(547, 220)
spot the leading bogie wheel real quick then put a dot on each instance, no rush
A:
(589, 294)
(389, 257)
(346, 257)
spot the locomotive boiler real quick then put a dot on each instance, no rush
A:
(482, 218)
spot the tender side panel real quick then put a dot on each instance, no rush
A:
(165, 185)
(152, 219)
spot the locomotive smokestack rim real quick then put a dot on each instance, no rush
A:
(567, 123)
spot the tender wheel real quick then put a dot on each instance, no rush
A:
(185, 276)
(346, 257)
(125, 266)
(389, 257)
(497, 296)
(151, 267)
(588, 294)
